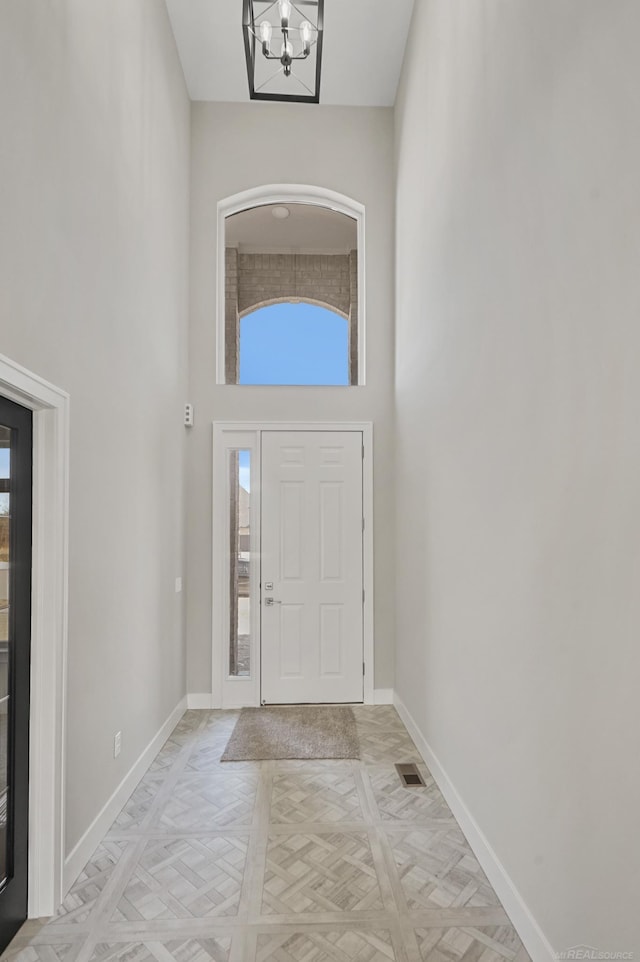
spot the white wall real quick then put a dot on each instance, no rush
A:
(518, 462)
(94, 167)
(350, 150)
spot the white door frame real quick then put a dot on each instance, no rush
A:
(50, 407)
(226, 692)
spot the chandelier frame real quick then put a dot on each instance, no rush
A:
(254, 50)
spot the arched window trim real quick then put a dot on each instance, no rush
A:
(289, 194)
(259, 305)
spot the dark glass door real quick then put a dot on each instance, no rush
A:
(15, 646)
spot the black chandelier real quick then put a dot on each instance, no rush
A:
(283, 47)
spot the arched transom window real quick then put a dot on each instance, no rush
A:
(292, 304)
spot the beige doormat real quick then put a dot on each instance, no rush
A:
(296, 731)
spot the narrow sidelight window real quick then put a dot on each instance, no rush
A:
(239, 562)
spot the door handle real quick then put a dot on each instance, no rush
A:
(269, 602)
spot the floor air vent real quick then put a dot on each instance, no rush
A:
(409, 775)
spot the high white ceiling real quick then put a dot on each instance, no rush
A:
(364, 42)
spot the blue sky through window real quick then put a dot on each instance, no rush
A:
(294, 344)
(5, 455)
(244, 469)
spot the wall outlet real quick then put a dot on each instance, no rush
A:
(178, 585)
(188, 415)
(117, 744)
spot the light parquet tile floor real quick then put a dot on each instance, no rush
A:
(282, 861)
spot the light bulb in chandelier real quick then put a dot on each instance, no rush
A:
(285, 13)
(265, 36)
(305, 35)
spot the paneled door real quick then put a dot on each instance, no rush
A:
(312, 575)
(15, 648)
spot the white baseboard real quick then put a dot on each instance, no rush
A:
(381, 696)
(82, 852)
(204, 700)
(523, 921)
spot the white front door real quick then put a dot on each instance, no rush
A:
(311, 612)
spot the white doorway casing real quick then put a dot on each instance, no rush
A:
(234, 692)
(50, 406)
